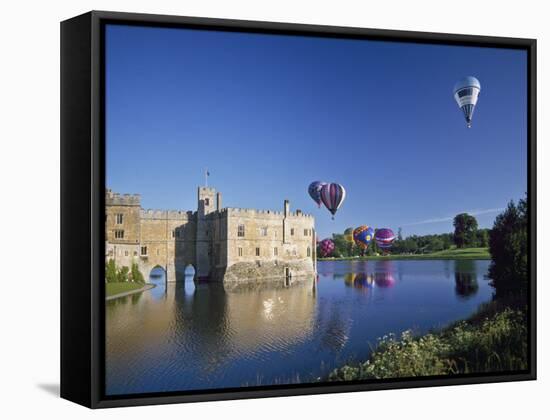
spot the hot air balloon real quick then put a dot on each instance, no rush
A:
(466, 92)
(332, 196)
(348, 235)
(362, 236)
(314, 191)
(384, 238)
(326, 246)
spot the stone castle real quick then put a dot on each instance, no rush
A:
(221, 244)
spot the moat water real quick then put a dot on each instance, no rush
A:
(189, 337)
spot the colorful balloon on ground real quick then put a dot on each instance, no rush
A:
(362, 236)
(326, 246)
(384, 238)
(466, 92)
(332, 196)
(348, 235)
(314, 191)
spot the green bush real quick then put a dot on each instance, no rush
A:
(137, 276)
(494, 343)
(122, 274)
(110, 271)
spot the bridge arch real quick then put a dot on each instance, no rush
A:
(157, 275)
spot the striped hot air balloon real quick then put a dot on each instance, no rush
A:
(332, 196)
(384, 238)
(466, 92)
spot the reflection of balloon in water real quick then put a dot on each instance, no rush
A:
(314, 191)
(466, 92)
(384, 238)
(349, 279)
(364, 280)
(384, 279)
(332, 196)
(362, 236)
(326, 246)
(348, 235)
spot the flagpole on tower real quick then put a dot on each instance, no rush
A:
(206, 177)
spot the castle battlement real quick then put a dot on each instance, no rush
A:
(277, 243)
(236, 211)
(116, 199)
(152, 214)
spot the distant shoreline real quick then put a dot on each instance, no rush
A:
(453, 254)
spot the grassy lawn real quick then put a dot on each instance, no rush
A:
(448, 254)
(116, 288)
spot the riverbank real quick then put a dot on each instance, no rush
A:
(117, 290)
(448, 254)
(493, 340)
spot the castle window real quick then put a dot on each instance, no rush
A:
(275, 251)
(206, 201)
(135, 253)
(308, 251)
(143, 250)
(240, 231)
(257, 252)
(125, 253)
(119, 218)
(263, 231)
(305, 232)
(173, 233)
(292, 232)
(240, 251)
(158, 251)
(119, 234)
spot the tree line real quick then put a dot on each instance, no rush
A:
(114, 274)
(465, 235)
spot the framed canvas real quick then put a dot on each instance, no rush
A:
(377, 227)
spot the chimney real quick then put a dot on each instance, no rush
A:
(219, 201)
(287, 208)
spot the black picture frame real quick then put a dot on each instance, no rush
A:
(83, 203)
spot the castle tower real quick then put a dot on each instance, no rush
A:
(204, 246)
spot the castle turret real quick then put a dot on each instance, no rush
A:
(219, 201)
(204, 245)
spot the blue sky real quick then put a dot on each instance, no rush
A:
(268, 114)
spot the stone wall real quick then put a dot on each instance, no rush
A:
(269, 244)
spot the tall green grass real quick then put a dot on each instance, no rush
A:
(493, 343)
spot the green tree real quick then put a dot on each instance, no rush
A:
(482, 238)
(508, 248)
(341, 246)
(122, 274)
(110, 271)
(137, 276)
(465, 230)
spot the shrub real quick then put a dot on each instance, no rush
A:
(122, 274)
(137, 276)
(493, 343)
(110, 271)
